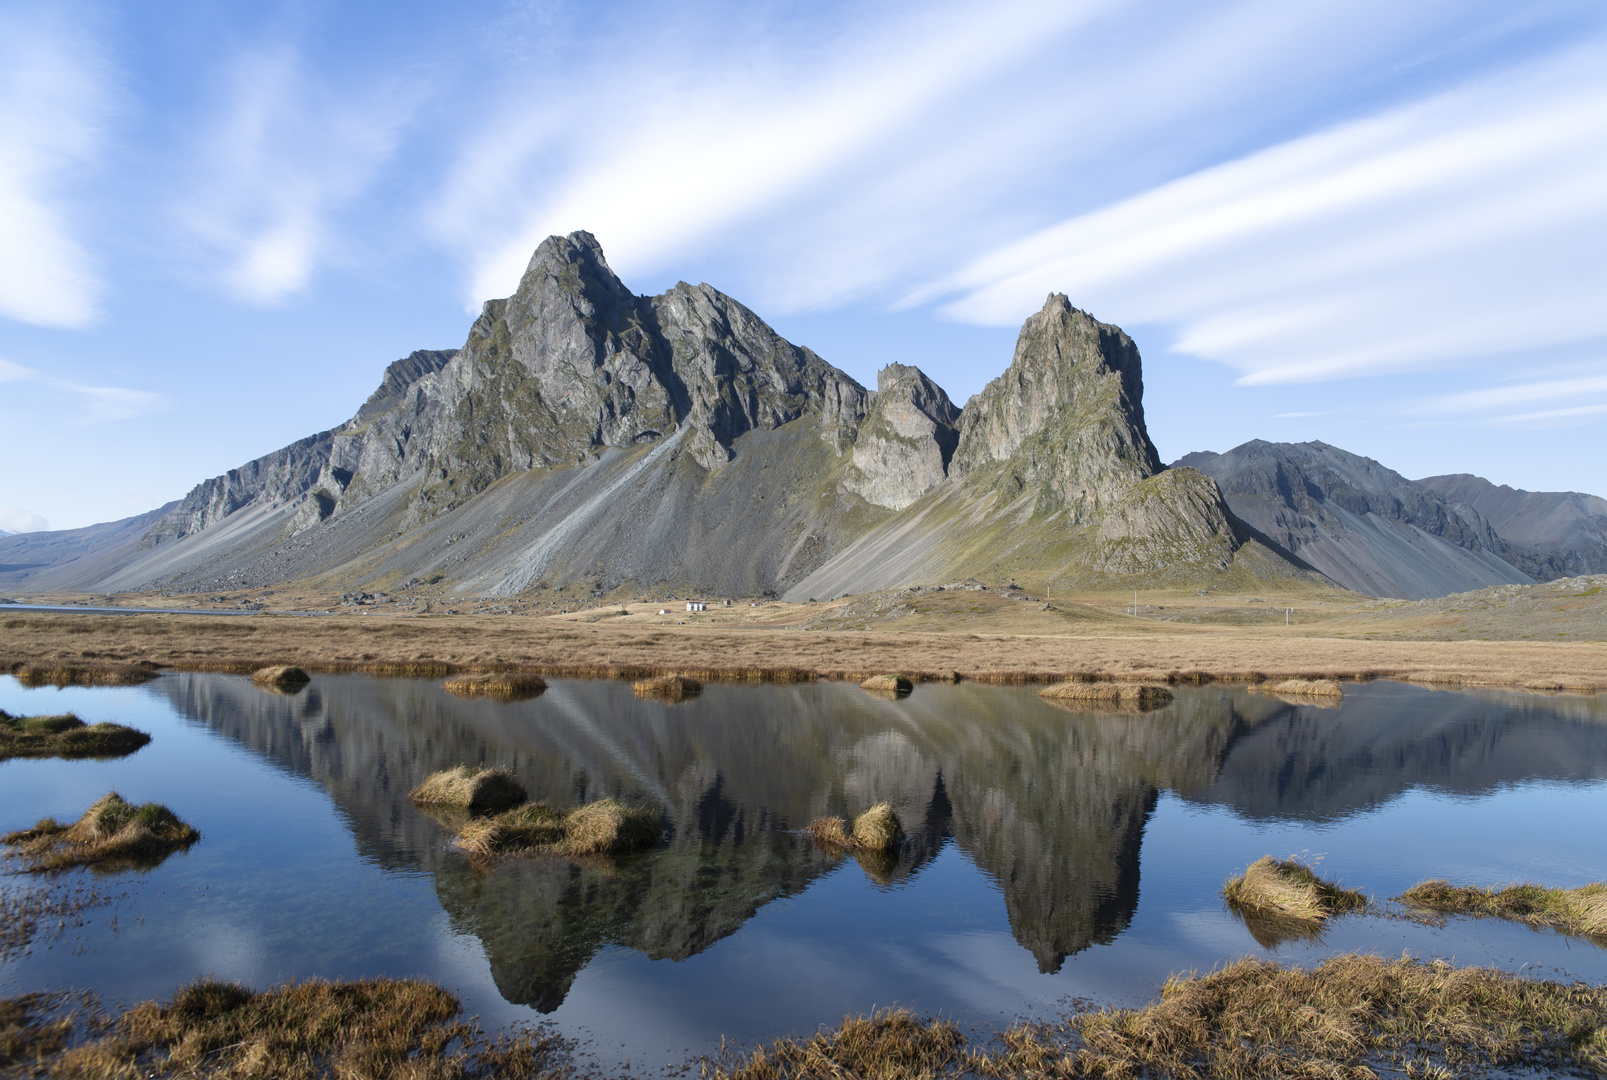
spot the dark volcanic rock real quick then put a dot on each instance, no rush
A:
(1554, 533)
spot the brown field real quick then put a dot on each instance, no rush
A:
(1490, 638)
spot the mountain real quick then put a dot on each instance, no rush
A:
(70, 558)
(1565, 529)
(585, 436)
(1365, 526)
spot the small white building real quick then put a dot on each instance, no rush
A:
(696, 605)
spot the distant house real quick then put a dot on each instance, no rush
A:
(696, 605)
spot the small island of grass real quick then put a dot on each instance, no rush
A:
(1284, 899)
(888, 684)
(667, 687)
(502, 686)
(1121, 695)
(113, 834)
(1580, 912)
(877, 829)
(606, 826)
(281, 678)
(65, 736)
(474, 791)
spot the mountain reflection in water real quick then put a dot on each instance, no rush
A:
(1050, 804)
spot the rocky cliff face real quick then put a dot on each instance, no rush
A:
(1065, 422)
(1551, 534)
(906, 439)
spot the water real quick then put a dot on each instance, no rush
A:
(1055, 856)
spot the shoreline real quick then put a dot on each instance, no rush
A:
(88, 648)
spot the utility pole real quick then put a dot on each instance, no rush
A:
(1135, 603)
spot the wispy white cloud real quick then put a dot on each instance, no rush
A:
(1465, 226)
(16, 520)
(285, 154)
(92, 403)
(54, 98)
(1517, 393)
(1576, 412)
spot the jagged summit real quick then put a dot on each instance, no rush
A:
(583, 433)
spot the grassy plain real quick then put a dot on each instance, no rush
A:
(1542, 637)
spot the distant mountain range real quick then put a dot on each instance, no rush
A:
(585, 437)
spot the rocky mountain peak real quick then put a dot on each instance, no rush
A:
(906, 440)
(1065, 422)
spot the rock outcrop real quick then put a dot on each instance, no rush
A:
(906, 439)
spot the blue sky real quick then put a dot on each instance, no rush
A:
(1380, 224)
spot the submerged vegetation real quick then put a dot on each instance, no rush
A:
(1579, 912)
(382, 1029)
(281, 678)
(606, 826)
(1284, 899)
(65, 736)
(668, 687)
(501, 686)
(475, 791)
(1123, 696)
(113, 834)
(877, 829)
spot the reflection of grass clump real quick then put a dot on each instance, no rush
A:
(1580, 912)
(65, 737)
(1252, 1020)
(112, 834)
(877, 829)
(1280, 899)
(1117, 694)
(477, 791)
(384, 1029)
(502, 686)
(282, 678)
(669, 687)
(597, 828)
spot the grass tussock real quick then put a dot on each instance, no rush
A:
(474, 791)
(378, 1029)
(1310, 688)
(877, 829)
(1287, 889)
(1580, 912)
(667, 687)
(99, 674)
(604, 827)
(281, 678)
(112, 835)
(65, 736)
(501, 686)
(1111, 694)
(1252, 1020)
(889, 684)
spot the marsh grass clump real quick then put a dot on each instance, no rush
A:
(112, 835)
(281, 678)
(1278, 895)
(1304, 688)
(1351, 1016)
(888, 684)
(65, 736)
(100, 674)
(473, 791)
(668, 687)
(1119, 695)
(502, 686)
(381, 1029)
(877, 829)
(604, 827)
(1580, 912)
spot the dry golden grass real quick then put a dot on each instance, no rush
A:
(503, 686)
(375, 1029)
(668, 687)
(1134, 650)
(65, 736)
(1581, 912)
(475, 791)
(895, 684)
(1286, 889)
(61, 674)
(1252, 1020)
(1094, 693)
(112, 835)
(604, 827)
(281, 678)
(876, 830)
(1317, 688)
